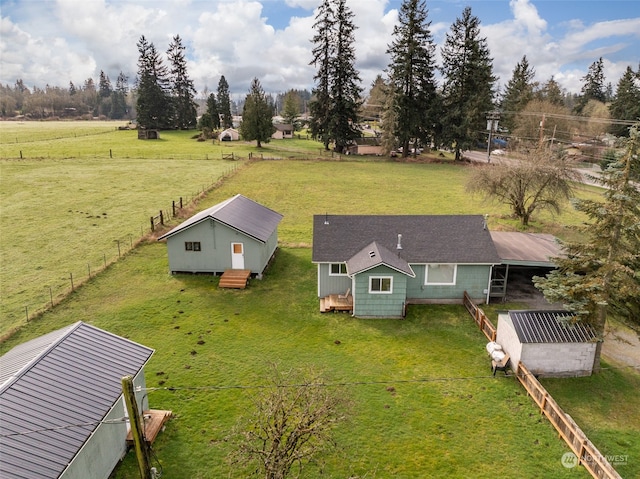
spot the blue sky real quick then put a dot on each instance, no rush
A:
(57, 41)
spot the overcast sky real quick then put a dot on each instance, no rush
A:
(57, 41)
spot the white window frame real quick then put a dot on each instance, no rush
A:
(381, 278)
(455, 274)
(341, 266)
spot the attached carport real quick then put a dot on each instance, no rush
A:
(522, 254)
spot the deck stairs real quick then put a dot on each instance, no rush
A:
(234, 278)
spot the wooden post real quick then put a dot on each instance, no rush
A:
(173, 207)
(71, 278)
(152, 223)
(181, 202)
(139, 444)
(161, 218)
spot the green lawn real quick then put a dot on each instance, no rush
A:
(64, 214)
(446, 417)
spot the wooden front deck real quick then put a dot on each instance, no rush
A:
(336, 302)
(154, 420)
(234, 278)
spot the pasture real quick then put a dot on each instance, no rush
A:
(425, 404)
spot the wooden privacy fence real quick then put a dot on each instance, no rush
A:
(586, 453)
(480, 318)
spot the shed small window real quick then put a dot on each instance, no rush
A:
(192, 245)
(441, 274)
(338, 269)
(381, 284)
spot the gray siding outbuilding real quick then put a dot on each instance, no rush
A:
(61, 406)
(235, 234)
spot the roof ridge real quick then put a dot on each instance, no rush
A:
(64, 333)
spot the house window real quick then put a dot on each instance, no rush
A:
(338, 269)
(192, 245)
(441, 274)
(381, 284)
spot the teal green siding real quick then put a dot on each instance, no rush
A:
(215, 255)
(367, 304)
(473, 279)
(328, 284)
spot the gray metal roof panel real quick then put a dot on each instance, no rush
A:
(239, 213)
(74, 378)
(547, 326)
(460, 239)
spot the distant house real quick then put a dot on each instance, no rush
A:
(62, 405)
(375, 265)
(282, 131)
(230, 134)
(547, 343)
(235, 234)
(366, 146)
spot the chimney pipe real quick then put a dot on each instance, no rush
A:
(399, 246)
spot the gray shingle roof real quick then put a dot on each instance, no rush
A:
(68, 377)
(373, 255)
(239, 213)
(548, 327)
(425, 238)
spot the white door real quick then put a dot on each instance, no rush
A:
(237, 256)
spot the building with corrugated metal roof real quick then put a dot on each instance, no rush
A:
(237, 233)
(62, 412)
(547, 342)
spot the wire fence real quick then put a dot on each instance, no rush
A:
(57, 290)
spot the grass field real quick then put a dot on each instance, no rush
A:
(473, 427)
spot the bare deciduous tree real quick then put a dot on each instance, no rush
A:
(290, 426)
(536, 183)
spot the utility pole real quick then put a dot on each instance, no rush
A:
(139, 443)
(492, 125)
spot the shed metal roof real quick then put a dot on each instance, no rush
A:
(239, 213)
(69, 377)
(461, 239)
(549, 327)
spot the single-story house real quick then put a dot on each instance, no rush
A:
(63, 412)
(282, 131)
(230, 134)
(237, 233)
(547, 343)
(378, 264)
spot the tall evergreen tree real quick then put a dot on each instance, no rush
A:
(467, 91)
(213, 111)
(375, 101)
(224, 103)
(345, 84)
(257, 116)
(154, 104)
(323, 54)
(602, 274)
(518, 93)
(182, 89)
(626, 103)
(336, 102)
(593, 87)
(551, 92)
(412, 83)
(104, 94)
(119, 97)
(291, 109)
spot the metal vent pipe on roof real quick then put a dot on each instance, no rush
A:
(399, 246)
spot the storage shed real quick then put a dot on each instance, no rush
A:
(547, 343)
(63, 413)
(237, 234)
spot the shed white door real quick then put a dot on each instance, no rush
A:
(237, 256)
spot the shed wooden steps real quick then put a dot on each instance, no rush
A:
(234, 278)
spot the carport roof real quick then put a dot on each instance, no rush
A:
(526, 249)
(549, 327)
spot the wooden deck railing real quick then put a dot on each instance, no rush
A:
(586, 453)
(480, 318)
